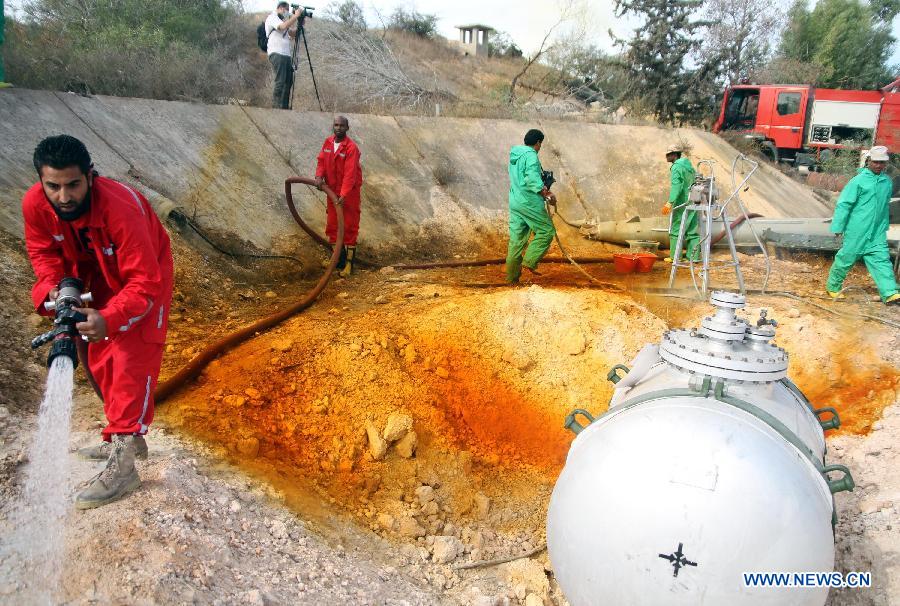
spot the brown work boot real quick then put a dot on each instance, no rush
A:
(101, 451)
(117, 480)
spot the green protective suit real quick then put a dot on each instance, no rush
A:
(527, 214)
(861, 215)
(682, 177)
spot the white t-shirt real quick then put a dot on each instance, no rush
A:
(279, 42)
(337, 144)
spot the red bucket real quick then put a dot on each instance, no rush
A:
(644, 262)
(624, 263)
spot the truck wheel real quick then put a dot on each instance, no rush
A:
(769, 150)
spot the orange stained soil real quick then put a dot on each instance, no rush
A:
(487, 377)
(859, 393)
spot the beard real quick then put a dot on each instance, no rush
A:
(71, 215)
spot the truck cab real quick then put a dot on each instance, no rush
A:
(774, 115)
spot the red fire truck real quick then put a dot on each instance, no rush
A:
(801, 124)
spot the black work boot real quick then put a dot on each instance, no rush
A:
(348, 266)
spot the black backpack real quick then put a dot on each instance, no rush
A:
(262, 39)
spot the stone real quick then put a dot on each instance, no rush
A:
(234, 507)
(793, 312)
(398, 424)
(430, 509)
(381, 300)
(248, 446)
(252, 393)
(282, 345)
(343, 295)
(406, 446)
(270, 294)
(278, 529)
(409, 527)
(386, 521)
(442, 372)
(377, 445)
(446, 549)
(533, 600)
(425, 494)
(572, 340)
(482, 505)
(529, 573)
(385, 271)
(517, 359)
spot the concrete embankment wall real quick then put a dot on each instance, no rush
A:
(433, 186)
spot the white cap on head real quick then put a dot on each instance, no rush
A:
(879, 153)
(674, 148)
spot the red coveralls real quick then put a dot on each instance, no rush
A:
(343, 175)
(121, 251)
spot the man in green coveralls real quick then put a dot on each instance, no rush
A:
(682, 174)
(861, 215)
(527, 214)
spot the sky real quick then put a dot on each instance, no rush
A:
(526, 21)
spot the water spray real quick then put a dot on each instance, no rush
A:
(64, 333)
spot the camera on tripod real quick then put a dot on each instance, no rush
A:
(307, 10)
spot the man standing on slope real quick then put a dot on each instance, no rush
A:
(682, 177)
(527, 213)
(861, 215)
(280, 31)
(79, 224)
(338, 167)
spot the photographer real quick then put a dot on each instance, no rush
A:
(280, 30)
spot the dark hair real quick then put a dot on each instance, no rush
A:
(62, 151)
(533, 136)
(282, 4)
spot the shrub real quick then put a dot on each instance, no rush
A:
(414, 22)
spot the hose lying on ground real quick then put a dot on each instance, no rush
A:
(209, 353)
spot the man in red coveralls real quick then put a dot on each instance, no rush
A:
(338, 167)
(82, 225)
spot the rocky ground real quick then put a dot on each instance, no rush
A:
(408, 425)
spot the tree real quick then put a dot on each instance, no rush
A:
(500, 44)
(414, 22)
(347, 12)
(849, 40)
(656, 57)
(589, 73)
(740, 35)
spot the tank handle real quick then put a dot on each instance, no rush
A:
(845, 483)
(833, 423)
(573, 425)
(613, 377)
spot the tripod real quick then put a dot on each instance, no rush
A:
(295, 64)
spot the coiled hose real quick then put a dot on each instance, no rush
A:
(209, 353)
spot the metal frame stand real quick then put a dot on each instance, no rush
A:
(709, 210)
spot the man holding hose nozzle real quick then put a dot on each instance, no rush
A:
(527, 214)
(338, 167)
(81, 225)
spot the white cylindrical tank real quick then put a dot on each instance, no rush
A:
(709, 464)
